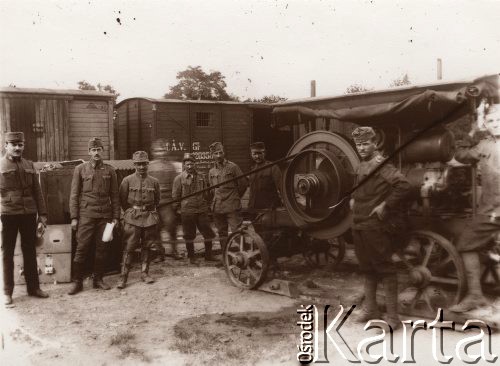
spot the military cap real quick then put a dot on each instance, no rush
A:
(140, 157)
(95, 142)
(258, 146)
(14, 137)
(189, 156)
(216, 146)
(362, 134)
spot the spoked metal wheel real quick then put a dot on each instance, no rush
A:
(433, 271)
(246, 258)
(320, 253)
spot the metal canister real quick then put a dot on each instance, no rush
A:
(437, 146)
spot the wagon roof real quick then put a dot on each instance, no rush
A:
(182, 101)
(69, 92)
(421, 104)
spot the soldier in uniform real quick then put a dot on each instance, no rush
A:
(377, 211)
(478, 235)
(21, 200)
(264, 185)
(194, 210)
(93, 203)
(163, 169)
(227, 198)
(139, 198)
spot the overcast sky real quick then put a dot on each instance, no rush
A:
(262, 47)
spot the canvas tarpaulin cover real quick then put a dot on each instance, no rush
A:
(425, 106)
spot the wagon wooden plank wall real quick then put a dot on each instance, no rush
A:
(187, 126)
(57, 124)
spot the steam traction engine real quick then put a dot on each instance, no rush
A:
(319, 176)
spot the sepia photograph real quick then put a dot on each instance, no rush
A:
(259, 182)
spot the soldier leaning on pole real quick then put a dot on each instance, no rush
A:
(378, 219)
(478, 235)
(227, 198)
(264, 185)
(194, 210)
(139, 198)
(21, 200)
(163, 169)
(93, 203)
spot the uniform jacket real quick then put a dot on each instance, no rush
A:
(140, 198)
(388, 185)
(185, 184)
(19, 188)
(264, 187)
(227, 198)
(487, 154)
(94, 192)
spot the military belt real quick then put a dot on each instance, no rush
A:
(144, 208)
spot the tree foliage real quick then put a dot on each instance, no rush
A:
(400, 81)
(196, 84)
(267, 99)
(356, 88)
(85, 85)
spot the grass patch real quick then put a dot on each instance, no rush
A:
(128, 350)
(121, 338)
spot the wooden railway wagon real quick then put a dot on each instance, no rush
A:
(57, 124)
(191, 126)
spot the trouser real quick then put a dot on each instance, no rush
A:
(223, 220)
(26, 226)
(200, 221)
(138, 237)
(478, 234)
(90, 230)
(374, 251)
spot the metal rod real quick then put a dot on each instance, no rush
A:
(267, 166)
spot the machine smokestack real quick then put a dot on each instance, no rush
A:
(313, 88)
(439, 69)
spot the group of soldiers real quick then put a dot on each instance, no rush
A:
(378, 206)
(143, 205)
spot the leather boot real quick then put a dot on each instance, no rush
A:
(126, 264)
(474, 298)
(145, 277)
(391, 301)
(77, 279)
(208, 251)
(190, 252)
(160, 253)
(175, 252)
(97, 281)
(370, 308)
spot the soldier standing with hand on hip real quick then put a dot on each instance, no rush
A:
(378, 210)
(21, 200)
(140, 198)
(93, 203)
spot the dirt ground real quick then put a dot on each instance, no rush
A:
(190, 316)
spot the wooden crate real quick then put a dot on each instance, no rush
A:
(53, 256)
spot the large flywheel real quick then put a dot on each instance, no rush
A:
(316, 183)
